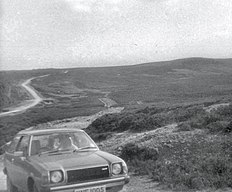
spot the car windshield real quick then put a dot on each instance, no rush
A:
(61, 142)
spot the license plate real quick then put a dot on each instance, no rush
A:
(92, 189)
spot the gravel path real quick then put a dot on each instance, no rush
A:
(142, 184)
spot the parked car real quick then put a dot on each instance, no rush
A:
(64, 160)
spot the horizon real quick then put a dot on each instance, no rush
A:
(110, 66)
(98, 33)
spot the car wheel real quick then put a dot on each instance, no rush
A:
(10, 186)
(35, 188)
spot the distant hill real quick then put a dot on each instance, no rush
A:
(4, 99)
(177, 81)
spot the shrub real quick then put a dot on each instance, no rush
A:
(177, 174)
(42, 120)
(193, 173)
(209, 164)
(217, 170)
(98, 137)
(228, 129)
(139, 158)
(227, 146)
(185, 126)
(225, 111)
(132, 151)
(126, 122)
(149, 118)
(185, 113)
(218, 126)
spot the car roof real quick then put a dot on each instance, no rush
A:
(47, 131)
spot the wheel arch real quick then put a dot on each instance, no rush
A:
(5, 170)
(30, 183)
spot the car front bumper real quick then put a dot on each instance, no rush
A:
(112, 185)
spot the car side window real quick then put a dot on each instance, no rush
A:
(23, 144)
(13, 145)
(82, 140)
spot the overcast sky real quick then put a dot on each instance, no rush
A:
(77, 33)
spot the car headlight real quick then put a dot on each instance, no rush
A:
(116, 168)
(56, 176)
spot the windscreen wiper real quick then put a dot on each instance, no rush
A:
(54, 151)
(83, 148)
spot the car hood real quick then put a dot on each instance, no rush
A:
(72, 160)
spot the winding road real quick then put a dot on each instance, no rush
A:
(27, 104)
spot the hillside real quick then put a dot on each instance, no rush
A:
(175, 127)
(184, 80)
(193, 152)
(4, 101)
(183, 147)
(75, 92)
(11, 93)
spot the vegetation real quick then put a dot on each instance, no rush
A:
(199, 161)
(207, 164)
(3, 97)
(188, 117)
(11, 93)
(154, 95)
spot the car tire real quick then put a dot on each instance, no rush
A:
(10, 186)
(35, 188)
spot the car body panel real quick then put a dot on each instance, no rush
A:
(109, 183)
(68, 160)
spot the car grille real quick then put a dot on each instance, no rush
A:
(88, 174)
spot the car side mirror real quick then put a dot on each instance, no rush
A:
(100, 145)
(6, 146)
(18, 153)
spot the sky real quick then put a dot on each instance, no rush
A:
(92, 33)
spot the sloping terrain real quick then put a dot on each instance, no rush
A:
(178, 81)
(175, 126)
(76, 92)
(156, 155)
(194, 152)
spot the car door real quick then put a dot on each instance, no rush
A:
(9, 159)
(21, 163)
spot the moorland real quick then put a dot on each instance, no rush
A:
(176, 124)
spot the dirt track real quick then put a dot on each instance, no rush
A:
(27, 104)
